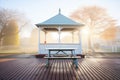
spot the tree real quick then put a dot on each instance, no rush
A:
(11, 34)
(10, 19)
(109, 34)
(96, 19)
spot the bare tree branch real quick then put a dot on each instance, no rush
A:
(95, 18)
(6, 16)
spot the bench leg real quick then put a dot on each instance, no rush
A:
(47, 63)
(75, 62)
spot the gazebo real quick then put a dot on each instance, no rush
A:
(59, 23)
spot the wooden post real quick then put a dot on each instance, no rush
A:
(45, 37)
(59, 32)
(80, 43)
(72, 37)
(39, 41)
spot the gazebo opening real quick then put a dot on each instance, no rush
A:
(66, 36)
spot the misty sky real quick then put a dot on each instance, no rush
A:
(40, 10)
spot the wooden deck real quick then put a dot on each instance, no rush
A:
(34, 69)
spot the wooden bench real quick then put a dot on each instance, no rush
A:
(72, 50)
(73, 56)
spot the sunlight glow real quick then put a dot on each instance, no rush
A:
(55, 35)
(85, 31)
(25, 34)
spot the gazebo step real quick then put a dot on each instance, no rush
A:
(81, 55)
(40, 55)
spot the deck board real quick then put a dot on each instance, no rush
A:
(35, 69)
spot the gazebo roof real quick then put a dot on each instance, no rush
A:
(59, 20)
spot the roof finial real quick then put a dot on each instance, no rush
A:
(59, 11)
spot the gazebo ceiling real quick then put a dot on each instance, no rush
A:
(63, 29)
(59, 20)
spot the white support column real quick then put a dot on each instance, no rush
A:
(72, 37)
(80, 41)
(45, 37)
(59, 32)
(39, 40)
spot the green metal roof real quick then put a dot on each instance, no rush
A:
(59, 20)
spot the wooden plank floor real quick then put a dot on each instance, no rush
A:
(34, 69)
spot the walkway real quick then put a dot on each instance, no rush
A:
(34, 69)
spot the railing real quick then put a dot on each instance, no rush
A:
(57, 45)
(113, 48)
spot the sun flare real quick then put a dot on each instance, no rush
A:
(56, 35)
(85, 31)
